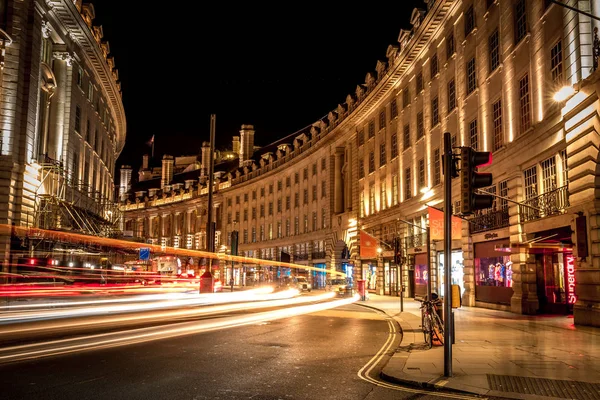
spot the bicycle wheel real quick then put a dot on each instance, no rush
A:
(428, 331)
(438, 328)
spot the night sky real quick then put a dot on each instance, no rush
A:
(279, 69)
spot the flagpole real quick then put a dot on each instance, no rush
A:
(152, 146)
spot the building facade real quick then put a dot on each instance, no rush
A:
(62, 117)
(486, 72)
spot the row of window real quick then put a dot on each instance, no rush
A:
(288, 183)
(279, 230)
(556, 65)
(279, 204)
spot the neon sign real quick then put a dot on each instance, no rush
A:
(571, 296)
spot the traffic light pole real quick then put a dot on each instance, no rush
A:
(448, 160)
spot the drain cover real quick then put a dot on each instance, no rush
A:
(545, 387)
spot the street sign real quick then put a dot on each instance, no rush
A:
(144, 253)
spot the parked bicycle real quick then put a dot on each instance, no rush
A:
(431, 323)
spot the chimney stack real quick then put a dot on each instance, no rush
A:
(167, 170)
(236, 145)
(145, 158)
(247, 143)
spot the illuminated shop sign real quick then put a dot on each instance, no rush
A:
(571, 296)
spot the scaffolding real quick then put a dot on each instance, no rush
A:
(62, 203)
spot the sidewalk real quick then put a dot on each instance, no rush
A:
(497, 353)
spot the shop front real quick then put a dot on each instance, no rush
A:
(456, 272)
(370, 274)
(391, 284)
(421, 276)
(555, 271)
(493, 272)
(319, 275)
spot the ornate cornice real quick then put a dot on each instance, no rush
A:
(67, 17)
(64, 56)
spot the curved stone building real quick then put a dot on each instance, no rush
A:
(62, 118)
(484, 71)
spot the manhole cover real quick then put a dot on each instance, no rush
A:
(545, 387)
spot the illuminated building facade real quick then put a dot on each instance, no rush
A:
(485, 71)
(62, 119)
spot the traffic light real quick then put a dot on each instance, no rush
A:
(397, 251)
(471, 180)
(454, 166)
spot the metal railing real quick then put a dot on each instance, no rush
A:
(300, 257)
(419, 240)
(318, 255)
(544, 205)
(489, 221)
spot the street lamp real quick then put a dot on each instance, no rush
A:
(564, 94)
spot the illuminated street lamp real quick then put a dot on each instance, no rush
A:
(564, 94)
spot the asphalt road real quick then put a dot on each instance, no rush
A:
(331, 354)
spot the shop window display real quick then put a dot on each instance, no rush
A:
(456, 269)
(421, 277)
(493, 271)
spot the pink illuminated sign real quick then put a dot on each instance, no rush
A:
(571, 296)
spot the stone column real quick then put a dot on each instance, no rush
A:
(380, 274)
(583, 141)
(524, 299)
(468, 298)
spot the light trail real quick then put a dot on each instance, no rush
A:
(142, 335)
(143, 304)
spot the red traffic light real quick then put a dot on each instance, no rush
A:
(480, 158)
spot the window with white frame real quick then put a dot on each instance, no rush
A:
(497, 125)
(520, 20)
(494, 50)
(556, 63)
(382, 119)
(420, 127)
(524, 106)
(530, 177)
(503, 189)
(435, 115)
(433, 65)
(549, 178)
(450, 46)
(451, 95)
(406, 136)
(471, 76)
(474, 134)
(362, 204)
(393, 109)
(565, 169)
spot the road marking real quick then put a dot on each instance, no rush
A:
(365, 372)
